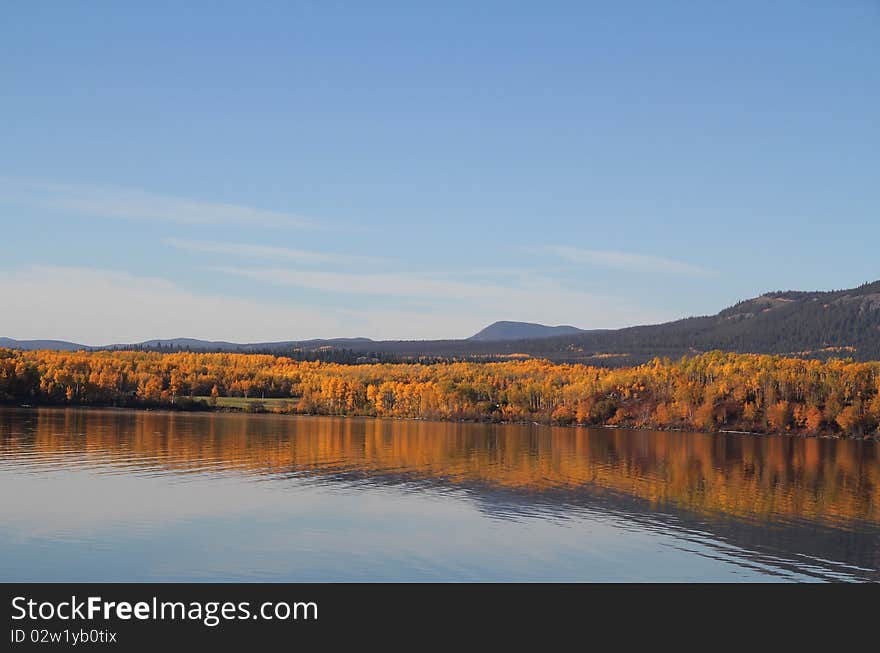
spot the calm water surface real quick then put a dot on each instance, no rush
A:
(122, 495)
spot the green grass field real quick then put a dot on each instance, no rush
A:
(242, 403)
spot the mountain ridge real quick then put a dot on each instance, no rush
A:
(807, 324)
(507, 330)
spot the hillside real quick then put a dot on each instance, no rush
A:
(844, 323)
(521, 331)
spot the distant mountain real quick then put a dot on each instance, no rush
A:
(522, 331)
(59, 345)
(192, 344)
(221, 345)
(820, 324)
(842, 323)
(184, 343)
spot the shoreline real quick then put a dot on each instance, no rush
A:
(870, 437)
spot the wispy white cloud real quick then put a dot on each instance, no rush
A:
(247, 250)
(624, 260)
(532, 299)
(129, 204)
(99, 307)
(389, 284)
(96, 307)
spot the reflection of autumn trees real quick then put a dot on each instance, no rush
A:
(708, 392)
(829, 480)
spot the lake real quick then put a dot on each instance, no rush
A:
(114, 495)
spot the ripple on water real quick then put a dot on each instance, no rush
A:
(359, 498)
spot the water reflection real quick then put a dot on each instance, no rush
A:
(763, 506)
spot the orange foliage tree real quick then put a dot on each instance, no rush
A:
(710, 391)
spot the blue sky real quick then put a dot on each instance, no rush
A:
(265, 171)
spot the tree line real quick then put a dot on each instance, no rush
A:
(711, 391)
